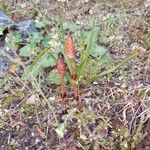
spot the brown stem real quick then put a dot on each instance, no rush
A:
(74, 79)
(63, 92)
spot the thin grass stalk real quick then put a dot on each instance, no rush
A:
(120, 64)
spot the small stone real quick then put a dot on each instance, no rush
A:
(26, 28)
(5, 20)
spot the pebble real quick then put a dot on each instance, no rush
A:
(25, 28)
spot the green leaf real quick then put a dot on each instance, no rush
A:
(47, 60)
(104, 39)
(97, 51)
(18, 38)
(70, 25)
(85, 53)
(35, 38)
(45, 41)
(67, 77)
(93, 33)
(31, 71)
(26, 51)
(54, 77)
(105, 59)
(30, 48)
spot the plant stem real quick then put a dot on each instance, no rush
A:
(74, 81)
(72, 66)
(75, 88)
(63, 92)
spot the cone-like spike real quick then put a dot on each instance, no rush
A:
(70, 46)
(61, 68)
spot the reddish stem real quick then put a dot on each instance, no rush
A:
(74, 79)
(63, 92)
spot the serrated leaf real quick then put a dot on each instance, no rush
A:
(26, 51)
(45, 41)
(97, 51)
(47, 60)
(104, 39)
(35, 38)
(70, 25)
(54, 77)
(18, 38)
(105, 59)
